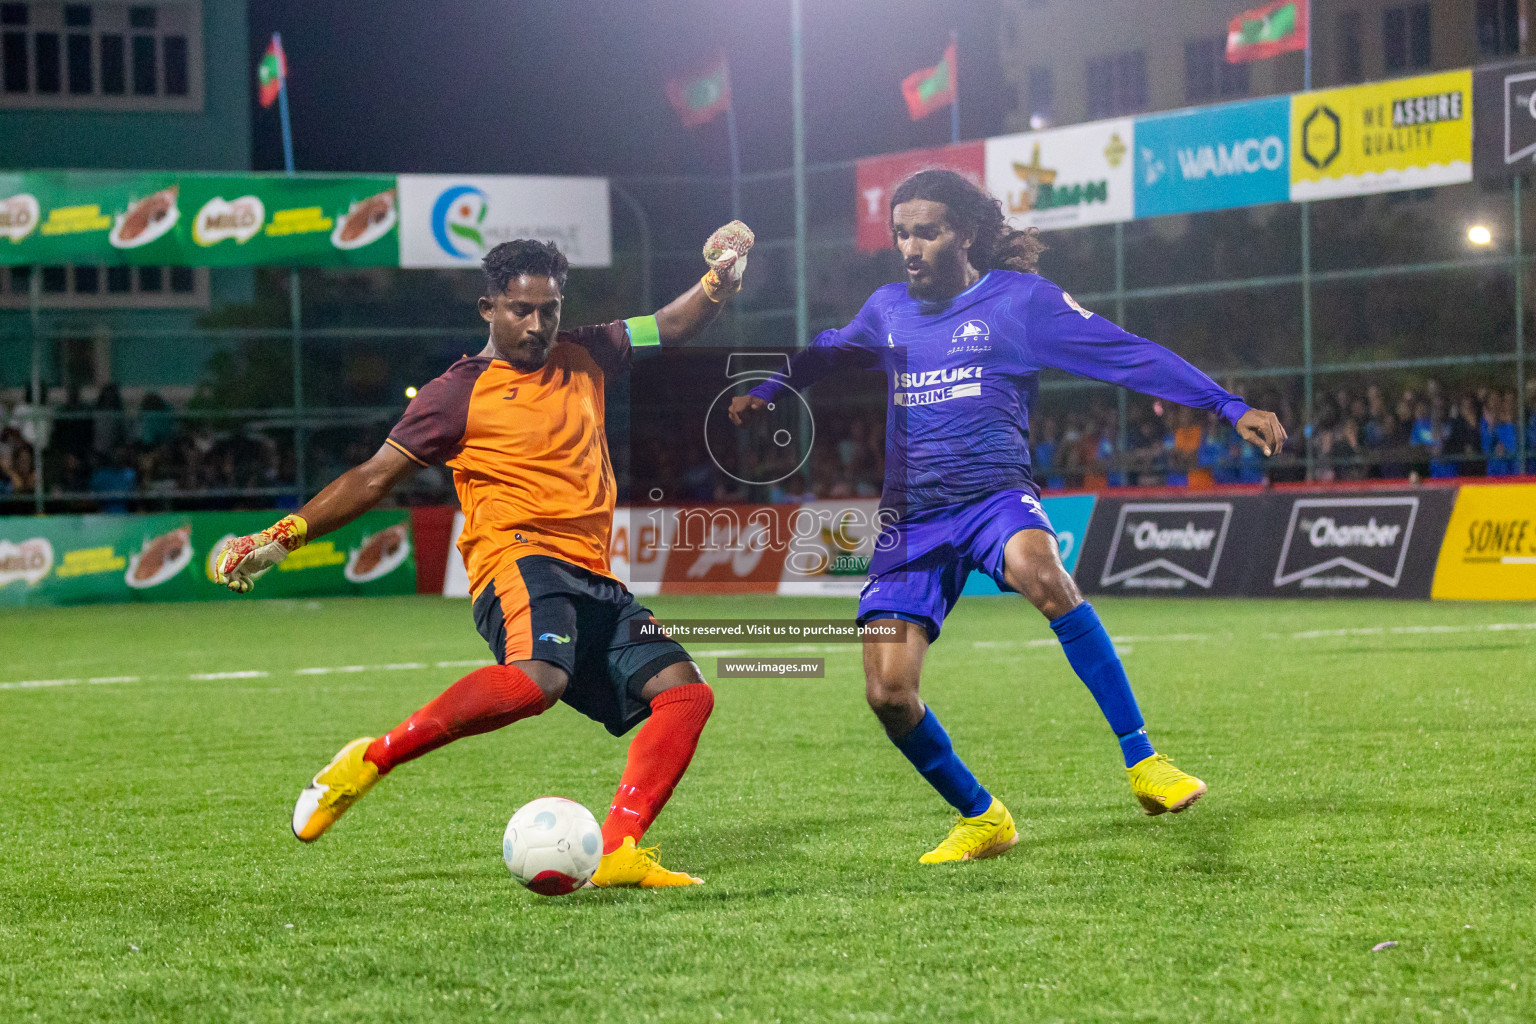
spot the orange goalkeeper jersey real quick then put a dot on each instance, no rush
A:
(529, 457)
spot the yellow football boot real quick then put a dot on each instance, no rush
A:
(339, 785)
(986, 835)
(632, 866)
(1162, 787)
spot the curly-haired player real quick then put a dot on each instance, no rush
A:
(964, 343)
(521, 426)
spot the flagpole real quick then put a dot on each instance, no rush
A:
(295, 298)
(730, 134)
(1306, 66)
(797, 102)
(954, 80)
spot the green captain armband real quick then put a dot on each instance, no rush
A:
(643, 332)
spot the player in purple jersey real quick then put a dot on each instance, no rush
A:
(963, 344)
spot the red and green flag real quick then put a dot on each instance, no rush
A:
(699, 98)
(1275, 28)
(270, 73)
(931, 88)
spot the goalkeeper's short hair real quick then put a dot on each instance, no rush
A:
(511, 260)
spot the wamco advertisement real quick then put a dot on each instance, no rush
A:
(1214, 158)
(1383, 137)
(1065, 177)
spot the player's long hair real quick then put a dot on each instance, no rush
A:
(996, 246)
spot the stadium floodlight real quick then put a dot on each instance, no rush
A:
(1478, 234)
(410, 392)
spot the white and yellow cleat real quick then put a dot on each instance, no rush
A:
(988, 834)
(633, 866)
(339, 785)
(1161, 787)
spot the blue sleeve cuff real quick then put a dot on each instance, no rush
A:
(1232, 410)
(768, 390)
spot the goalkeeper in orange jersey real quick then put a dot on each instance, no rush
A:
(521, 426)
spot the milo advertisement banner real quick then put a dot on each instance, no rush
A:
(168, 557)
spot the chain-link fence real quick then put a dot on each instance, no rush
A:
(1389, 343)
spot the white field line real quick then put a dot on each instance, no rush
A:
(727, 652)
(1486, 627)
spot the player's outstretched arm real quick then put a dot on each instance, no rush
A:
(1067, 336)
(725, 252)
(243, 560)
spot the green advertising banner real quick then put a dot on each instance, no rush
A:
(167, 557)
(204, 220)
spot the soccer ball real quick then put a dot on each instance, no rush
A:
(552, 845)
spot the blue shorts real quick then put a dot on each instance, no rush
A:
(921, 562)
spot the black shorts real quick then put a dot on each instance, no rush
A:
(543, 609)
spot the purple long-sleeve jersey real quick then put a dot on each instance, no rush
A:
(964, 374)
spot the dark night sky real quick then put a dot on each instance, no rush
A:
(578, 87)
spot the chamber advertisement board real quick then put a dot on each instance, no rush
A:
(1504, 121)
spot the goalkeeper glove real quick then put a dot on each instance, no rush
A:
(726, 253)
(242, 561)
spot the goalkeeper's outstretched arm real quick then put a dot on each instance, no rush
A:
(725, 253)
(244, 559)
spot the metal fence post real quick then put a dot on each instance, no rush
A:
(797, 101)
(644, 224)
(1122, 404)
(38, 403)
(1306, 336)
(1520, 408)
(296, 324)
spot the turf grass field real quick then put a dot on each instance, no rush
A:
(1371, 770)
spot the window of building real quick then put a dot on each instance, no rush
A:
(1208, 75)
(1351, 48)
(1405, 37)
(101, 55)
(1042, 97)
(1498, 27)
(88, 287)
(1117, 83)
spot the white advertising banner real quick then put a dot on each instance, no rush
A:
(1065, 177)
(452, 220)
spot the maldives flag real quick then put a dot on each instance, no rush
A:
(271, 72)
(931, 88)
(698, 99)
(1268, 30)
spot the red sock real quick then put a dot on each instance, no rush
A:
(657, 759)
(486, 699)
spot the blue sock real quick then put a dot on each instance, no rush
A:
(927, 746)
(1092, 656)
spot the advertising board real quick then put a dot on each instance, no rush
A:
(205, 220)
(1382, 137)
(168, 557)
(1213, 158)
(1489, 552)
(449, 220)
(1504, 119)
(876, 177)
(1065, 177)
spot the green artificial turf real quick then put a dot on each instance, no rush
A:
(1371, 784)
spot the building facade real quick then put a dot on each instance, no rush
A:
(1068, 61)
(144, 85)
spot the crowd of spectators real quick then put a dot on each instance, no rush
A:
(102, 456)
